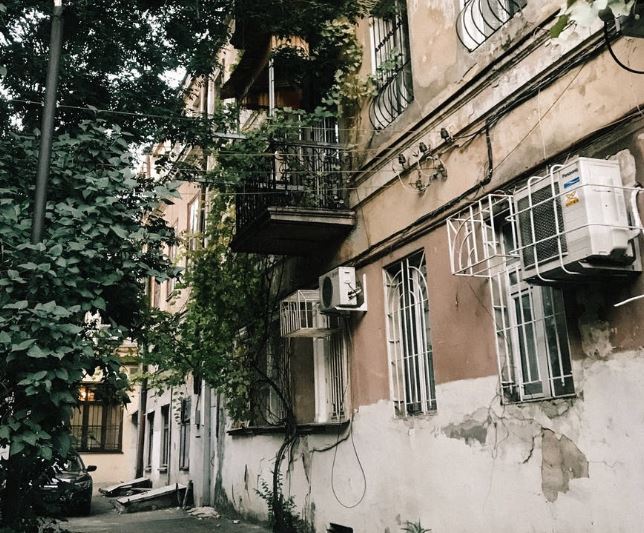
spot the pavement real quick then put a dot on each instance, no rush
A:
(104, 519)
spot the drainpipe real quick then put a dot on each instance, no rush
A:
(143, 406)
(271, 87)
(140, 437)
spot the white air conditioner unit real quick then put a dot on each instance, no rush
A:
(341, 292)
(574, 223)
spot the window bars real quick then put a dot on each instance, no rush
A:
(479, 19)
(476, 249)
(331, 378)
(391, 66)
(96, 425)
(408, 336)
(531, 338)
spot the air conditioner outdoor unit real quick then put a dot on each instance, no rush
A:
(341, 292)
(574, 223)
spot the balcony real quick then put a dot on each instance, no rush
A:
(298, 203)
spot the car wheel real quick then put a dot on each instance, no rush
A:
(85, 508)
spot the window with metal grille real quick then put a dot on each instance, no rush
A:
(184, 434)
(172, 257)
(278, 370)
(531, 335)
(479, 19)
(165, 437)
(96, 425)
(391, 64)
(150, 443)
(408, 336)
(331, 378)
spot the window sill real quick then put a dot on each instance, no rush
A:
(566, 398)
(148, 469)
(95, 452)
(163, 470)
(303, 429)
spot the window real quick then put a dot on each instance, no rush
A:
(165, 437)
(391, 64)
(531, 334)
(479, 19)
(312, 373)
(331, 380)
(278, 370)
(156, 294)
(193, 224)
(150, 442)
(184, 434)
(96, 425)
(172, 257)
(408, 336)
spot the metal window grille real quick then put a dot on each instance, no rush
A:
(408, 335)
(476, 248)
(336, 376)
(184, 434)
(480, 19)
(96, 425)
(532, 339)
(172, 257)
(150, 440)
(165, 436)
(278, 369)
(391, 66)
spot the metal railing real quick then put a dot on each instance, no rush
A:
(306, 173)
(480, 19)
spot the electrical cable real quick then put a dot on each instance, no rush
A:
(612, 53)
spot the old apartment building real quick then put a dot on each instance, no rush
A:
(481, 366)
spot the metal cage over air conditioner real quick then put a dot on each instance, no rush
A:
(300, 316)
(574, 223)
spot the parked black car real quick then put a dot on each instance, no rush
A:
(70, 487)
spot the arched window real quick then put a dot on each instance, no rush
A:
(408, 337)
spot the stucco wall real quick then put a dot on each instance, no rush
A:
(567, 465)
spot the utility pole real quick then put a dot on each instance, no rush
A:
(47, 124)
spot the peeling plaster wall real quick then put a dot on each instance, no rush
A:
(567, 465)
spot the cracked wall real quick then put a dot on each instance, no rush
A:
(561, 461)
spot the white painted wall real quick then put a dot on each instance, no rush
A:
(415, 470)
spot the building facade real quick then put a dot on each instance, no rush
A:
(489, 381)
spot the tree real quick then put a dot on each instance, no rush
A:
(102, 236)
(102, 239)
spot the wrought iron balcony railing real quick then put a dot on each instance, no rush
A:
(303, 174)
(480, 19)
(391, 65)
(395, 93)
